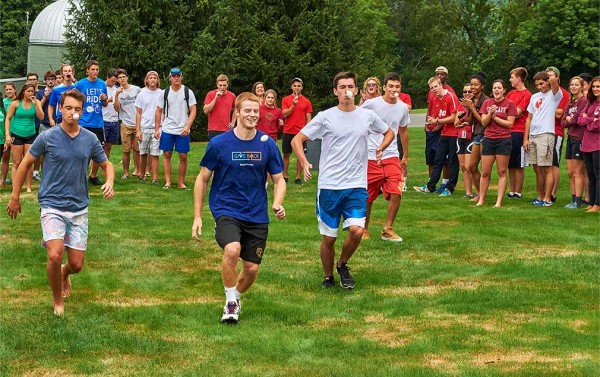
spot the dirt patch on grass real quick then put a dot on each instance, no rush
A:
(515, 360)
(445, 223)
(328, 323)
(440, 363)
(432, 288)
(126, 302)
(47, 373)
(389, 332)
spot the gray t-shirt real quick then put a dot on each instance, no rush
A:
(175, 121)
(66, 161)
(127, 100)
(395, 115)
(345, 134)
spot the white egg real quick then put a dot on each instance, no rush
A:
(396, 95)
(350, 94)
(75, 116)
(264, 138)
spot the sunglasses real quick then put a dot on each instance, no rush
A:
(372, 84)
(467, 91)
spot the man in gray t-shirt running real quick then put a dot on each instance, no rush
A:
(63, 196)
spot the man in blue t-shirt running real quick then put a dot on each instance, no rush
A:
(239, 161)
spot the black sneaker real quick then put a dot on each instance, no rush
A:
(329, 282)
(346, 279)
(286, 179)
(298, 181)
(553, 198)
(95, 181)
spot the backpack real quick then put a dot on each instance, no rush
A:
(186, 93)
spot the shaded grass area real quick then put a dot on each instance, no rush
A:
(470, 292)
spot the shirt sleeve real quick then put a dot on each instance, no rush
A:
(209, 97)
(512, 109)
(211, 157)
(97, 154)
(192, 98)
(38, 148)
(315, 128)
(377, 125)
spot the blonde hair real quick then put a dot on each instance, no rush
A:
(376, 81)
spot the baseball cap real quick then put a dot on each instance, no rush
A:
(441, 68)
(298, 79)
(175, 71)
(554, 69)
(150, 73)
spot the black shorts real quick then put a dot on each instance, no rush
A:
(464, 146)
(19, 140)
(492, 147)
(99, 132)
(558, 142)
(212, 134)
(252, 237)
(574, 150)
(400, 151)
(517, 155)
(286, 143)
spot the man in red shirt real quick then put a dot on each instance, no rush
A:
(218, 105)
(297, 112)
(521, 96)
(558, 131)
(440, 117)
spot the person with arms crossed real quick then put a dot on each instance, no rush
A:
(179, 109)
(10, 94)
(219, 105)
(63, 196)
(297, 112)
(125, 106)
(238, 161)
(386, 176)
(590, 144)
(342, 187)
(539, 137)
(147, 131)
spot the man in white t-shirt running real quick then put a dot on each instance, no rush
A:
(342, 186)
(387, 175)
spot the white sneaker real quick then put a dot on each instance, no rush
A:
(231, 312)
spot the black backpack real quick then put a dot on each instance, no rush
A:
(186, 93)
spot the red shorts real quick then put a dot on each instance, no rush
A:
(386, 177)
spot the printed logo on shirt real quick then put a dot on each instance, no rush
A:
(597, 111)
(442, 113)
(246, 156)
(538, 103)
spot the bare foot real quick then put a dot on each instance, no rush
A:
(59, 311)
(475, 198)
(594, 209)
(497, 205)
(66, 283)
(479, 204)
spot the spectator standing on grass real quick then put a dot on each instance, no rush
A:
(297, 112)
(147, 131)
(521, 96)
(559, 132)
(238, 162)
(474, 105)
(342, 187)
(258, 89)
(43, 95)
(539, 137)
(10, 92)
(271, 118)
(387, 175)
(63, 196)
(68, 83)
(219, 105)
(19, 126)
(110, 114)
(440, 118)
(590, 145)
(179, 109)
(575, 165)
(2, 138)
(125, 106)
(95, 91)
(464, 139)
(371, 89)
(498, 117)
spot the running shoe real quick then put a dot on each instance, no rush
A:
(95, 181)
(388, 234)
(446, 192)
(298, 181)
(470, 196)
(36, 177)
(231, 312)
(346, 279)
(328, 282)
(441, 188)
(543, 203)
(536, 202)
(422, 188)
(571, 205)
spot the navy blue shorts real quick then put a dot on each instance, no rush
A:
(181, 143)
(111, 132)
(432, 140)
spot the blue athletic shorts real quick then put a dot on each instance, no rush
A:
(111, 132)
(181, 143)
(333, 204)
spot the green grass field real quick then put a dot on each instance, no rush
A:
(470, 292)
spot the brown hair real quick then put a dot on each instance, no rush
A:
(344, 75)
(74, 93)
(520, 72)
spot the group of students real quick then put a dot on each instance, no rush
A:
(513, 130)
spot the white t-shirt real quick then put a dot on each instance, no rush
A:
(395, 115)
(109, 114)
(147, 100)
(127, 102)
(542, 108)
(345, 134)
(177, 111)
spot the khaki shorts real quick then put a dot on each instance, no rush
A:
(128, 138)
(541, 149)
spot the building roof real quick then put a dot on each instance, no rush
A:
(50, 25)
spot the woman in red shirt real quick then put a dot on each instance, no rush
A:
(497, 116)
